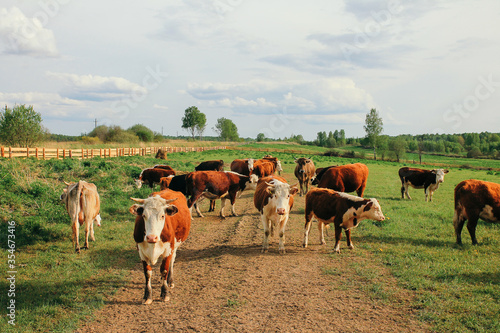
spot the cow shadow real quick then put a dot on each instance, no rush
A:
(435, 243)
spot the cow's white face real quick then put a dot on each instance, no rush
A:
(138, 183)
(278, 166)
(374, 211)
(153, 210)
(281, 194)
(250, 164)
(440, 175)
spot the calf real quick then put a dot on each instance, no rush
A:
(160, 228)
(344, 210)
(215, 185)
(346, 178)
(429, 180)
(243, 167)
(83, 205)
(273, 199)
(152, 176)
(475, 199)
(304, 171)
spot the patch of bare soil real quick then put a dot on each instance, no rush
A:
(223, 283)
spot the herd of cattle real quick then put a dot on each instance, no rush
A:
(163, 220)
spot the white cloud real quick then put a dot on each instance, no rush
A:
(25, 36)
(98, 88)
(51, 104)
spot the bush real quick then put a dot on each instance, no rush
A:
(91, 140)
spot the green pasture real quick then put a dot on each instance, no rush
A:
(456, 288)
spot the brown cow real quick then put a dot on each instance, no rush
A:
(346, 178)
(475, 199)
(429, 180)
(243, 167)
(275, 161)
(152, 176)
(319, 173)
(160, 228)
(344, 210)
(215, 165)
(304, 171)
(273, 199)
(83, 205)
(163, 166)
(263, 168)
(215, 185)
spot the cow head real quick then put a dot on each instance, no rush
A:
(439, 175)
(302, 163)
(253, 181)
(138, 183)
(153, 210)
(281, 192)
(373, 211)
(278, 167)
(250, 164)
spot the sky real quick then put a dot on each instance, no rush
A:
(276, 67)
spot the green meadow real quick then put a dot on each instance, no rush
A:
(455, 288)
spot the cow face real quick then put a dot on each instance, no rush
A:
(439, 175)
(153, 210)
(250, 164)
(278, 167)
(281, 193)
(138, 183)
(373, 211)
(302, 163)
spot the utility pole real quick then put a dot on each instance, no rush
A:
(95, 122)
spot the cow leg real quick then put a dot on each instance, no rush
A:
(92, 236)
(147, 299)
(306, 182)
(165, 276)
(338, 236)
(232, 198)
(458, 223)
(361, 190)
(76, 231)
(222, 205)
(307, 227)
(87, 231)
(471, 226)
(212, 206)
(406, 187)
(427, 191)
(170, 276)
(321, 228)
(301, 185)
(282, 223)
(348, 236)
(266, 225)
(193, 201)
(403, 191)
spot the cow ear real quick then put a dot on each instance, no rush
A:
(446, 171)
(434, 171)
(171, 210)
(136, 209)
(270, 190)
(293, 190)
(368, 206)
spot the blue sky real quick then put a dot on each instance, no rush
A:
(276, 67)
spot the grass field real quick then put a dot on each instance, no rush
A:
(456, 288)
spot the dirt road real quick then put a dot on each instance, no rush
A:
(223, 283)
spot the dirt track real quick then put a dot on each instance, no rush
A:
(223, 283)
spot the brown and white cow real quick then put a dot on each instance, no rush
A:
(162, 224)
(273, 199)
(215, 165)
(304, 171)
(346, 178)
(83, 205)
(475, 199)
(345, 211)
(242, 166)
(429, 180)
(152, 176)
(215, 185)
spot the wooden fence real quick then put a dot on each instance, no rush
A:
(83, 153)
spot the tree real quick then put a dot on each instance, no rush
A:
(261, 137)
(144, 133)
(398, 147)
(194, 121)
(21, 126)
(226, 129)
(373, 128)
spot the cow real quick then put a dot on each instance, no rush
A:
(83, 206)
(319, 173)
(152, 176)
(243, 167)
(275, 161)
(162, 224)
(345, 211)
(215, 185)
(263, 168)
(429, 180)
(304, 171)
(475, 199)
(163, 166)
(346, 178)
(216, 165)
(273, 199)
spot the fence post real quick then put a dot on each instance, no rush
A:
(10, 152)
(43, 153)
(28, 152)
(64, 153)
(36, 152)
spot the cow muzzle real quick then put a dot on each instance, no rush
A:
(281, 211)
(152, 238)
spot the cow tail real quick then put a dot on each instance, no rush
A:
(81, 203)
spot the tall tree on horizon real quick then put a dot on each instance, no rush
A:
(373, 128)
(194, 121)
